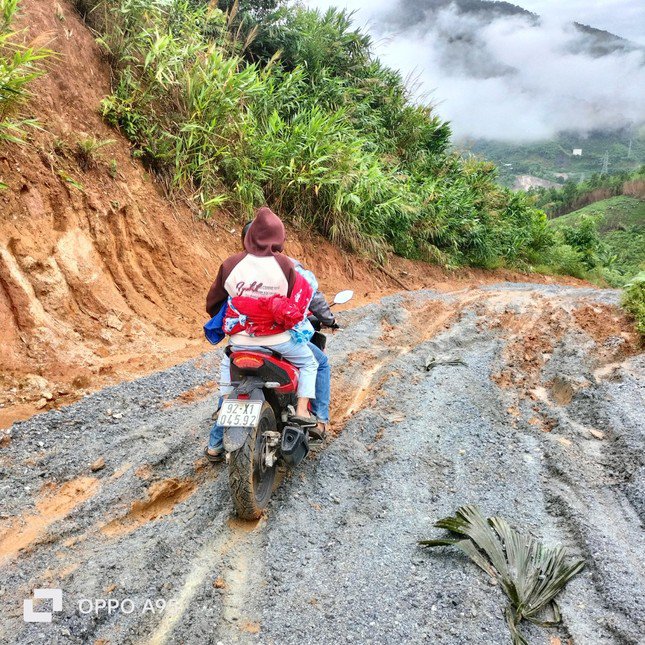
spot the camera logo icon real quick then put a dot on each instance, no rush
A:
(31, 616)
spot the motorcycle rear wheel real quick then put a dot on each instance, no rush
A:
(250, 480)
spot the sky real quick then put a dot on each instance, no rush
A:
(511, 79)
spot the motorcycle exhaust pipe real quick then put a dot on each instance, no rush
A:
(294, 446)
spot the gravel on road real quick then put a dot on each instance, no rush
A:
(533, 409)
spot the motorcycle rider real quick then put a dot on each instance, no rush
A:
(259, 272)
(320, 308)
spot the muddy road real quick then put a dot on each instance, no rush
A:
(532, 408)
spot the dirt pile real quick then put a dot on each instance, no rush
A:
(100, 275)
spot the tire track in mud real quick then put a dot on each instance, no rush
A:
(232, 544)
(359, 376)
(583, 605)
(229, 582)
(365, 385)
(239, 546)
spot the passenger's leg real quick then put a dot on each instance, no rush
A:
(225, 387)
(320, 405)
(215, 441)
(302, 357)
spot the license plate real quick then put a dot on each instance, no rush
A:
(236, 413)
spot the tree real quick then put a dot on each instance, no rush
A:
(257, 9)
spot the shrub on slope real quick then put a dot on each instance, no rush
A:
(634, 301)
(19, 66)
(295, 111)
(617, 251)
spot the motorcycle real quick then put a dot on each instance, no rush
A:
(259, 439)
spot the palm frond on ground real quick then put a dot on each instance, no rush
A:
(530, 574)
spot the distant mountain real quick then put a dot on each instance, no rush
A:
(420, 13)
(555, 161)
(602, 43)
(516, 95)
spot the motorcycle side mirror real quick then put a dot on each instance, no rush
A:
(343, 297)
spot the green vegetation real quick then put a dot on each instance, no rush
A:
(70, 180)
(530, 574)
(571, 196)
(614, 213)
(625, 150)
(634, 301)
(87, 151)
(19, 66)
(268, 102)
(295, 111)
(605, 240)
(609, 237)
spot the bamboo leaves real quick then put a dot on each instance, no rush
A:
(19, 66)
(298, 113)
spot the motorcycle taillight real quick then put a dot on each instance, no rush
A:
(247, 362)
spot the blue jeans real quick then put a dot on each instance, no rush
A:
(319, 405)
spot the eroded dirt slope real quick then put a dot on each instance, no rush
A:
(532, 408)
(101, 276)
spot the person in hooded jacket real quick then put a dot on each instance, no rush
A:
(320, 308)
(260, 272)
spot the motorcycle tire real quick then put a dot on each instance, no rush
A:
(250, 481)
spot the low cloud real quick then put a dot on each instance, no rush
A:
(509, 77)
